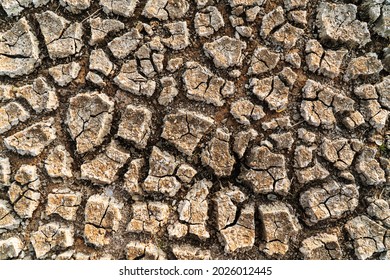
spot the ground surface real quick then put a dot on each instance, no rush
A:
(183, 129)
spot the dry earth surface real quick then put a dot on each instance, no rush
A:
(194, 129)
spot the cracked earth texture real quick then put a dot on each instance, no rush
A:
(194, 129)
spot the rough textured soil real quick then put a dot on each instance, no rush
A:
(194, 129)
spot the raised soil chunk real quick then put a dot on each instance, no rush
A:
(169, 91)
(282, 140)
(316, 112)
(366, 92)
(129, 79)
(161, 9)
(379, 210)
(39, 95)
(149, 62)
(294, 59)
(103, 168)
(299, 17)
(122, 46)
(208, 21)
(369, 168)
(267, 173)
(271, 21)
(161, 163)
(202, 85)
(382, 25)
(136, 250)
(100, 62)
(8, 220)
(287, 36)
(353, 120)
(15, 7)
(368, 237)
(131, 181)
(50, 237)
(180, 36)
(7, 92)
(19, 50)
(225, 51)
(96, 79)
(62, 38)
(58, 163)
(242, 140)
(156, 9)
(281, 33)
(167, 185)
(237, 22)
(240, 235)
(148, 217)
(288, 77)
(89, 119)
(245, 3)
(135, 125)
(10, 248)
(277, 123)
(5, 172)
(383, 91)
(243, 110)
(217, 154)
(374, 114)
(123, 8)
(177, 230)
(313, 173)
(263, 60)
(11, 115)
(244, 31)
(33, 139)
(306, 136)
(63, 202)
(194, 207)
(177, 8)
(24, 192)
(64, 74)
(303, 156)
(185, 129)
(189, 252)
(321, 103)
(314, 53)
(100, 28)
(252, 13)
(102, 216)
(368, 64)
(322, 246)
(280, 225)
(75, 6)
(340, 152)
(330, 201)
(226, 201)
(295, 4)
(272, 90)
(337, 24)
(326, 62)
(186, 172)
(160, 179)
(174, 64)
(377, 12)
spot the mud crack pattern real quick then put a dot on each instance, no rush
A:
(194, 129)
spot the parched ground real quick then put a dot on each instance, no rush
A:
(194, 129)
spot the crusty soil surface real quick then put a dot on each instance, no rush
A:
(283, 137)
